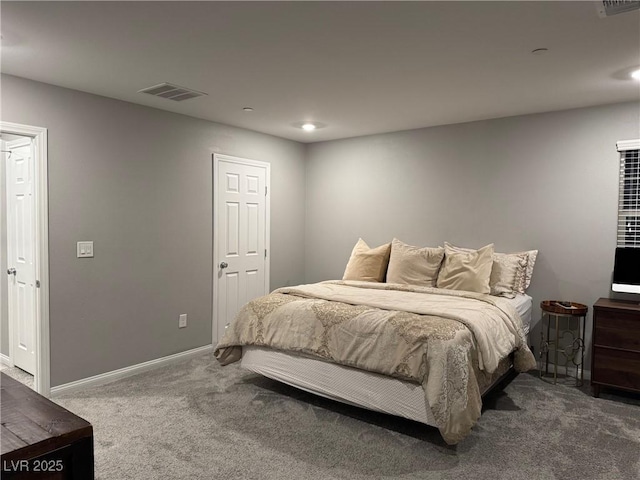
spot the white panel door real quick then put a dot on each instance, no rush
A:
(21, 252)
(241, 232)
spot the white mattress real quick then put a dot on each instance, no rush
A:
(523, 304)
(350, 385)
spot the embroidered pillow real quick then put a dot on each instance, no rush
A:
(507, 273)
(531, 261)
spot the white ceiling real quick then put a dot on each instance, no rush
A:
(358, 67)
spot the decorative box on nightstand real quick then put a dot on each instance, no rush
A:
(615, 354)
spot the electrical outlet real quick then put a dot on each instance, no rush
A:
(182, 321)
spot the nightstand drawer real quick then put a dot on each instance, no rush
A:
(619, 329)
(615, 367)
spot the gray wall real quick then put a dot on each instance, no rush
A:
(138, 182)
(546, 182)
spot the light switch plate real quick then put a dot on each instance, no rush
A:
(85, 249)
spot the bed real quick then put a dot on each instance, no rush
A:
(421, 352)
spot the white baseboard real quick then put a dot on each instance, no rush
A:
(114, 375)
(5, 360)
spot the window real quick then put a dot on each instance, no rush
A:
(629, 196)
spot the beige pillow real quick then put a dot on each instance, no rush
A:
(523, 275)
(367, 264)
(507, 273)
(414, 265)
(468, 271)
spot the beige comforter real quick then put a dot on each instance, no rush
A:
(425, 335)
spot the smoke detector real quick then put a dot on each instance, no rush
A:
(172, 92)
(607, 8)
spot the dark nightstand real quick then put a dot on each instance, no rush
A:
(615, 354)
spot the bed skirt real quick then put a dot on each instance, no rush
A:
(349, 385)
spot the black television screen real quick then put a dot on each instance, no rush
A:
(626, 270)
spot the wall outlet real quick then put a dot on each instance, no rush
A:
(182, 321)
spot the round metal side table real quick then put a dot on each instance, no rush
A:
(562, 337)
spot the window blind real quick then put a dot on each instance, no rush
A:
(629, 195)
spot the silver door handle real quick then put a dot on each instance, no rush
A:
(224, 265)
(11, 271)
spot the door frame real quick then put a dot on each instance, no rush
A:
(42, 377)
(217, 157)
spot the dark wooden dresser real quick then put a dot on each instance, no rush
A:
(615, 354)
(42, 440)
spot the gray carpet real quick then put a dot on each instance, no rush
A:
(18, 374)
(197, 420)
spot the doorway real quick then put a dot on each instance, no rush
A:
(241, 231)
(24, 299)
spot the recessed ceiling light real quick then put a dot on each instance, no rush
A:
(636, 74)
(308, 126)
(247, 109)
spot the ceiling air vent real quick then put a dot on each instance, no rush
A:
(607, 8)
(172, 92)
